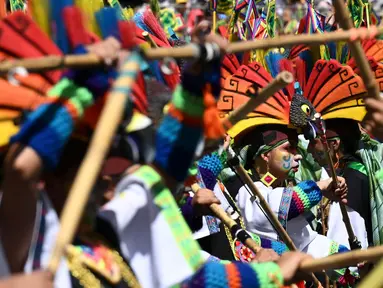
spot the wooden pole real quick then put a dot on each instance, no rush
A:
(149, 39)
(90, 167)
(345, 22)
(284, 78)
(230, 223)
(189, 51)
(354, 243)
(374, 278)
(345, 259)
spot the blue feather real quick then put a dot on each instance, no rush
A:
(59, 33)
(155, 70)
(108, 22)
(273, 60)
(138, 18)
(308, 59)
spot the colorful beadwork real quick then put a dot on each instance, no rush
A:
(305, 196)
(163, 198)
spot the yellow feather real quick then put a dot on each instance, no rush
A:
(89, 8)
(40, 13)
(129, 13)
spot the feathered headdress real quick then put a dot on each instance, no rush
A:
(333, 90)
(22, 94)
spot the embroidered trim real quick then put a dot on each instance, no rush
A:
(333, 248)
(169, 208)
(285, 206)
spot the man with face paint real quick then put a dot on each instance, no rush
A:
(271, 156)
(343, 145)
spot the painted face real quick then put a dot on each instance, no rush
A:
(283, 159)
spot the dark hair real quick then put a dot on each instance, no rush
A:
(349, 133)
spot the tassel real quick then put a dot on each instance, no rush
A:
(213, 128)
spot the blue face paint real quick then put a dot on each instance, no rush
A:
(286, 164)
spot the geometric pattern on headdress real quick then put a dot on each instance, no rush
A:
(332, 89)
(373, 48)
(229, 66)
(234, 93)
(336, 91)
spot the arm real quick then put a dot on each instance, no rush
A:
(210, 166)
(304, 196)
(194, 221)
(22, 171)
(254, 275)
(37, 146)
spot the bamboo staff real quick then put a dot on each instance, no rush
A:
(345, 23)
(107, 125)
(189, 51)
(149, 39)
(341, 260)
(374, 278)
(270, 214)
(230, 223)
(353, 240)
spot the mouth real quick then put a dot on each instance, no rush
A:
(295, 169)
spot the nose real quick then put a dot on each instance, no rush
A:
(297, 157)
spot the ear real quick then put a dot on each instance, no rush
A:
(265, 157)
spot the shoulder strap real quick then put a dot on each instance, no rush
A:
(358, 167)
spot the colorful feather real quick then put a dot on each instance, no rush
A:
(31, 42)
(108, 22)
(89, 8)
(229, 66)
(59, 34)
(234, 93)
(154, 26)
(120, 11)
(336, 91)
(39, 10)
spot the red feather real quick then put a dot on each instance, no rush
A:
(77, 34)
(128, 34)
(140, 39)
(331, 84)
(139, 94)
(229, 66)
(151, 21)
(234, 94)
(31, 41)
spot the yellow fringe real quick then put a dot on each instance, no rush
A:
(39, 10)
(89, 8)
(128, 13)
